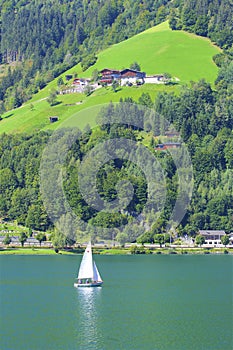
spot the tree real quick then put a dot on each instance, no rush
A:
(41, 237)
(199, 240)
(167, 76)
(225, 240)
(173, 20)
(22, 238)
(135, 66)
(7, 239)
(52, 99)
(145, 100)
(159, 238)
(58, 240)
(122, 238)
(88, 61)
(147, 237)
(95, 75)
(60, 81)
(115, 85)
(88, 90)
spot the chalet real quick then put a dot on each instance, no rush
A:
(80, 82)
(126, 76)
(53, 119)
(167, 145)
(212, 237)
(132, 76)
(108, 75)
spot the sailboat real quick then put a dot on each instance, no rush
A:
(88, 275)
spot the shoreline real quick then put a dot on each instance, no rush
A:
(119, 251)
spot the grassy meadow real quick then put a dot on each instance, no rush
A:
(157, 50)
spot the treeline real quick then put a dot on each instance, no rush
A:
(51, 36)
(206, 18)
(204, 118)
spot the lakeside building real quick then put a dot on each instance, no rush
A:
(212, 237)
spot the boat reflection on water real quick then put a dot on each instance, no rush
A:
(88, 307)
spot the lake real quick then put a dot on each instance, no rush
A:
(146, 302)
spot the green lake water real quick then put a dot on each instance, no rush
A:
(146, 302)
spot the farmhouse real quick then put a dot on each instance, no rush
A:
(126, 76)
(108, 75)
(80, 82)
(212, 237)
(167, 145)
(130, 76)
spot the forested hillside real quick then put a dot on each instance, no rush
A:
(204, 118)
(41, 39)
(205, 18)
(48, 37)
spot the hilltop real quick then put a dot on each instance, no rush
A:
(157, 50)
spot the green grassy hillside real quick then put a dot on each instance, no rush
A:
(157, 50)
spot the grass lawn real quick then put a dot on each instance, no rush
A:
(11, 227)
(159, 50)
(32, 251)
(27, 119)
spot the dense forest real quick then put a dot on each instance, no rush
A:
(41, 39)
(204, 118)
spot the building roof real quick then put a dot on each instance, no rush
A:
(109, 71)
(212, 232)
(131, 72)
(166, 145)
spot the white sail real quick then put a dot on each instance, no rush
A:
(97, 276)
(86, 267)
(88, 275)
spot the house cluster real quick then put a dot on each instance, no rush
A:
(78, 85)
(125, 77)
(129, 77)
(30, 242)
(172, 141)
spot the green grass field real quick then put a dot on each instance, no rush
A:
(157, 50)
(24, 119)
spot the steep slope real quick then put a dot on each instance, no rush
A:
(157, 50)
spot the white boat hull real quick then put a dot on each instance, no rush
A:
(94, 284)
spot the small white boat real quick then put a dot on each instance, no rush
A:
(88, 275)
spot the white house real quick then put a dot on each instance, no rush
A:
(212, 237)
